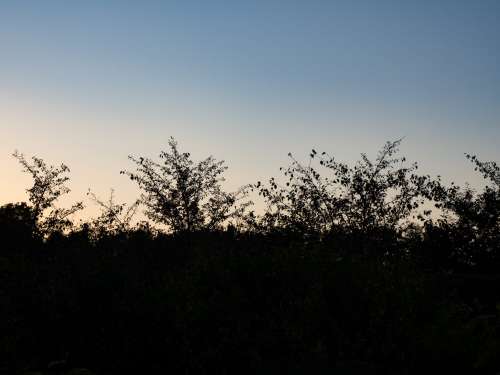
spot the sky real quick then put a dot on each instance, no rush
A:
(88, 83)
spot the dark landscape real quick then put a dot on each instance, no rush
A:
(368, 268)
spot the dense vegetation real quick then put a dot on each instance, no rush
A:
(371, 268)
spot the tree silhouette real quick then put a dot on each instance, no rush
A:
(49, 184)
(372, 194)
(471, 219)
(184, 195)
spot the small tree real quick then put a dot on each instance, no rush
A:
(49, 184)
(183, 195)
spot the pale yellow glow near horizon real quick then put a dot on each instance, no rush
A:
(95, 146)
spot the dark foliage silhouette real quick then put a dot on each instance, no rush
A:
(471, 225)
(372, 194)
(185, 196)
(49, 184)
(370, 268)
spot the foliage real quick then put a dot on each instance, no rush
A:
(17, 227)
(49, 184)
(185, 196)
(372, 194)
(115, 217)
(472, 220)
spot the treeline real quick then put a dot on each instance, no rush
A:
(346, 269)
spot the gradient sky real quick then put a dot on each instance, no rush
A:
(90, 82)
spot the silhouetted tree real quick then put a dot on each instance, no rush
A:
(470, 219)
(49, 184)
(372, 194)
(184, 195)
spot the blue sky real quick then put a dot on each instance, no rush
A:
(90, 82)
